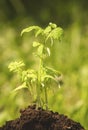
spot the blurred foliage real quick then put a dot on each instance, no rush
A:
(70, 56)
(43, 11)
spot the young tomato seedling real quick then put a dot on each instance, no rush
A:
(39, 78)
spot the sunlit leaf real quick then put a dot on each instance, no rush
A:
(40, 50)
(28, 75)
(51, 70)
(48, 51)
(49, 76)
(30, 29)
(14, 66)
(55, 34)
(40, 31)
(20, 87)
(35, 44)
(47, 30)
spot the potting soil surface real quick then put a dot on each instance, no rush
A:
(33, 118)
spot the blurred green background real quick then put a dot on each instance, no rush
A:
(70, 56)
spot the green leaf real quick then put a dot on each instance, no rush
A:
(55, 33)
(15, 66)
(20, 87)
(28, 75)
(40, 50)
(40, 31)
(35, 44)
(48, 51)
(47, 30)
(30, 29)
(49, 76)
(52, 70)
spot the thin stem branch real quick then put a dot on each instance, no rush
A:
(46, 98)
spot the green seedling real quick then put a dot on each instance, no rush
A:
(39, 79)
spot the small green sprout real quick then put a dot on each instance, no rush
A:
(39, 78)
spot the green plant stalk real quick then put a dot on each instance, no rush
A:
(39, 82)
(39, 86)
(46, 98)
(38, 94)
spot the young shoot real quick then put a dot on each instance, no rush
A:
(39, 78)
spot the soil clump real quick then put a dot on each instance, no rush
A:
(33, 118)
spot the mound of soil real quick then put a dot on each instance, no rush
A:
(33, 118)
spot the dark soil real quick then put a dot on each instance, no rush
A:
(33, 118)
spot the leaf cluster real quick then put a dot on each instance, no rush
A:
(49, 34)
